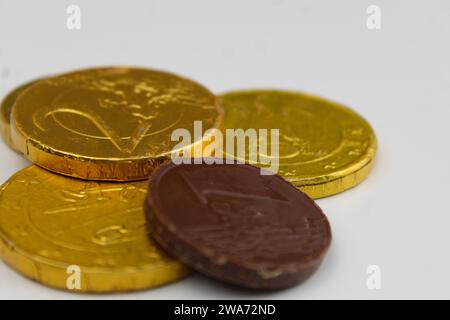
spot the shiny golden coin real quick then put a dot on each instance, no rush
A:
(324, 147)
(63, 232)
(108, 123)
(5, 111)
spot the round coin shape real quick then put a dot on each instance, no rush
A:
(82, 236)
(323, 147)
(231, 223)
(108, 123)
(6, 106)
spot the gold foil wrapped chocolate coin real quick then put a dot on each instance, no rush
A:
(108, 123)
(324, 147)
(79, 235)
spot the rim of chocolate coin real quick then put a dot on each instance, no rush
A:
(231, 223)
(6, 105)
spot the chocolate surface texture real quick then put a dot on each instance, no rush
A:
(236, 225)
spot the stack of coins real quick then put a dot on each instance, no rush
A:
(85, 217)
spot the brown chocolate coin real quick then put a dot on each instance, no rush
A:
(232, 223)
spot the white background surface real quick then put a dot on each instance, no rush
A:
(397, 77)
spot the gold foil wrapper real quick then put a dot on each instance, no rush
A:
(108, 123)
(324, 147)
(50, 223)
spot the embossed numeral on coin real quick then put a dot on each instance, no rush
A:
(225, 202)
(125, 146)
